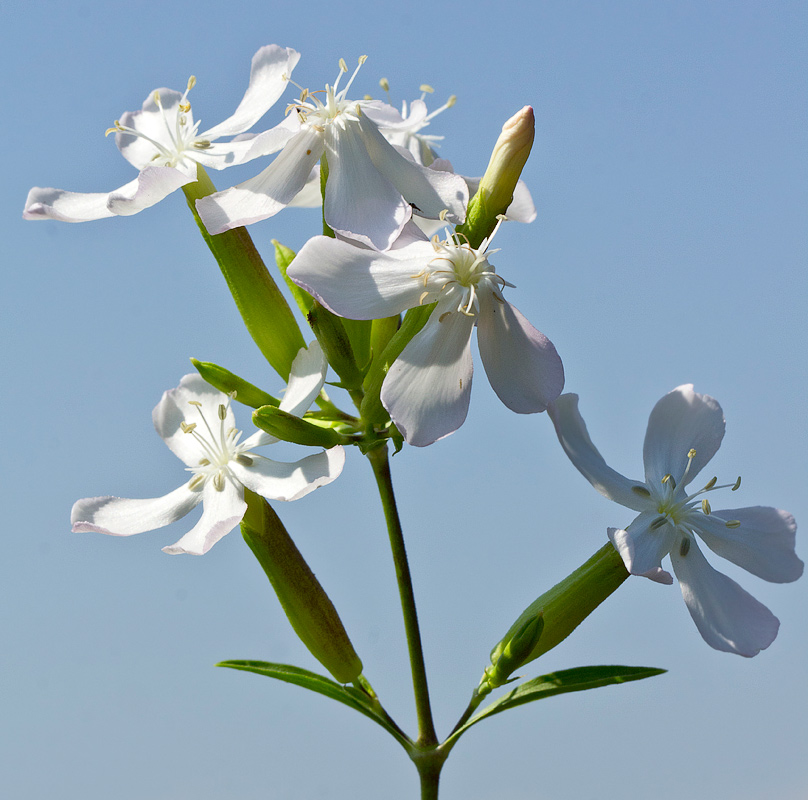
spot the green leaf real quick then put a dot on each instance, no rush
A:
(577, 679)
(347, 695)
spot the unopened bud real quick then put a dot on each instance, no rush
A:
(289, 428)
(230, 383)
(515, 653)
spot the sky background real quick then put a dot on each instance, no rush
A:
(669, 174)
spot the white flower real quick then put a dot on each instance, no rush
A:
(196, 422)
(427, 388)
(371, 188)
(163, 142)
(685, 430)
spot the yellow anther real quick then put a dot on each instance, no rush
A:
(368, 97)
(185, 107)
(186, 428)
(196, 482)
(343, 67)
(201, 144)
(705, 506)
(451, 101)
(737, 484)
(156, 96)
(712, 482)
(191, 83)
(218, 482)
(733, 523)
(222, 411)
(425, 87)
(203, 462)
(232, 394)
(245, 460)
(442, 215)
(362, 60)
(691, 454)
(195, 403)
(684, 547)
(423, 297)
(444, 315)
(114, 129)
(641, 490)
(385, 84)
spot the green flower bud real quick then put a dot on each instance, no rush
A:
(514, 654)
(564, 607)
(229, 383)
(290, 428)
(283, 258)
(307, 606)
(333, 338)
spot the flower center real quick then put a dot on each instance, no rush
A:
(178, 139)
(219, 445)
(333, 108)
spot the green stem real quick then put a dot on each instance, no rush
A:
(427, 737)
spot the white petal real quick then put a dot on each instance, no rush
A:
(427, 388)
(120, 516)
(574, 437)
(48, 203)
(150, 187)
(360, 202)
(175, 407)
(360, 283)
(271, 67)
(259, 439)
(221, 512)
(306, 378)
(272, 140)
(430, 191)
(728, 617)
(310, 195)
(762, 545)
(521, 363)
(682, 420)
(268, 192)
(279, 480)
(155, 124)
(643, 547)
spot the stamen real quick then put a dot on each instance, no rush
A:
(195, 403)
(444, 315)
(343, 67)
(709, 485)
(218, 481)
(186, 428)
(222, 412)
(733, 523)
(737, 484)
(196, 482)
(691, 454)
(684, 547)
(705, 506)
(641, 490)
(451, 101)
(425, 87)
(658, 523)
(385, 84)
(244, 460)
(204, 462)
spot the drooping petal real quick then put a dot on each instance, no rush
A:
(268, 192)
(427, 388)
(306, 378)
(178, 406)
(642, 546)
(360, 283)
(269, 75)
(48, 203)
(279, 480)
(574, 437)
(762, 545)
(360, 202)
(521, 363)
(157, 124)
(310, 195)
(430, 191)
(120, 516)
(221, 512)
(150, 187)
(728, 617)
(682, 420)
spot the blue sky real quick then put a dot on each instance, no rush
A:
(669, 174)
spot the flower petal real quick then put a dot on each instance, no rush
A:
(429, 191)
(642, 546)
(178, 406)
(360, 202)
(427, 388)
(120, 516)
(682, 420)
(268, 192)
(150, 187)
(574, 437)
(48, 203)
(728, 617)
(221, 512)
(306, 378)
(521, 363)
(360, 283)
(269, 75)
(279, 480)
(762, 545)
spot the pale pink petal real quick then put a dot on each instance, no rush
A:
(271, 67)
(48, 203)
(268, 192)
(427, 388)
(151, 186)
(682, 420)
(728, 617)
(360, 202)
(763, 544)
(221, 512)
(521, 363)
(306, 378)
(574, 437)
(279, 480)
(643, 546)
(360, 283)
(120, 516)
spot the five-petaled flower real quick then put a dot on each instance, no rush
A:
(372, 188)
(427, 389)
(163, 142)
(685, 430)
(196, 422)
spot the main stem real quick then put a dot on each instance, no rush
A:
(427, 738)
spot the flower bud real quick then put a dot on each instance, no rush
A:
(332, 335)
(307, 606)
(564, 607)
(230, 383)
(290, 428)
(495, 192)
(515, 653)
